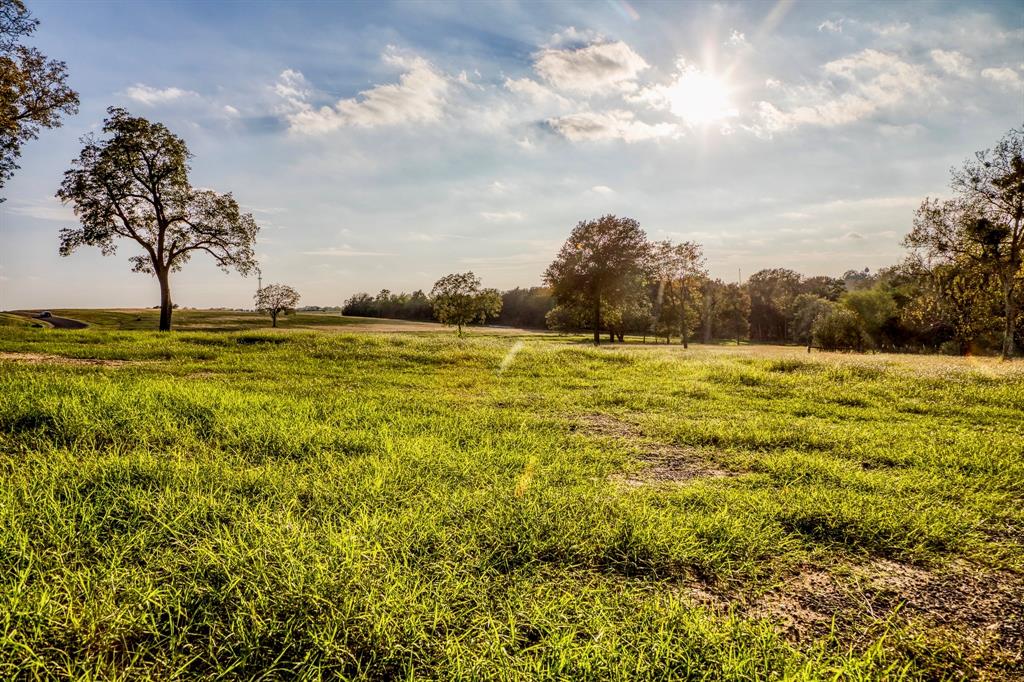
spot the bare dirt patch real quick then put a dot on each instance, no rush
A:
(48, 359)
(666, 464)
(979, 612)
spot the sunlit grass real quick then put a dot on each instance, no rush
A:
(273, 504)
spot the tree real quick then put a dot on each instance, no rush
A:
(526, 307)
(807, 308)
(830, 288)
(772, 293)
(877, 311)
(983, 222)
(839, 329)
(726, 311)
(34, 93)
(489, 304)
(133, 184)
(598, 265)
(275, 299)
(679, 269)
(458, 300)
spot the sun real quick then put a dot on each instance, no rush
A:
(700, 98)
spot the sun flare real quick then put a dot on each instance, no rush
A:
(700, 98)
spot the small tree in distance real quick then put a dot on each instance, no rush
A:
(275, 299)
(458, 300)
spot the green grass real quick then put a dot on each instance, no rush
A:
(9, 320)
(147, 319)
(262, 504)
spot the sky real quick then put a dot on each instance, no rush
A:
(383, 145)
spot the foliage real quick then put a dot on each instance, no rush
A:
(133, 184)
(402, 306)
(877, 312)
(458, 300)
(807, 308)
(983, 222)
(275, 299)
(599, 266)
(725, 313)
(34, 93)
(525, 307)
(772, 295)
(840, 329)
(678, 270)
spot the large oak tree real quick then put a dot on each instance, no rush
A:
(34, 93)
(133, 184)
(598, 265)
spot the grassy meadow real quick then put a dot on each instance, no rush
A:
(263, 504)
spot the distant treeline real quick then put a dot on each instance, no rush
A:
(520, 307)
(901, 308)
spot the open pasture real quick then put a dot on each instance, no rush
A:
(381, 506)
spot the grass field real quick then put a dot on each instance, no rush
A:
(147, 319)
(259, 505)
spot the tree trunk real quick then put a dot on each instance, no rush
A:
(273, 318)
(707, 317)
(597, 322)
(684, 332)
(1009, 328)
(164, 277)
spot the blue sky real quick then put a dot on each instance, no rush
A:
(386, 144)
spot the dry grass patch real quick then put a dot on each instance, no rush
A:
(979, 612)
(665, 464)
(48, 359)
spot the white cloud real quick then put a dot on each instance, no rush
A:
(417, 97)
(535, 92)
(230, 111)
(1004, 76)
(574, 37)
(952, 62)
(602, 189)
(831, 26)
(617, 124)
(150, 96)
(502, 216)
(737, 39)
(596, 68)
(854, 88)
